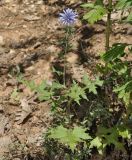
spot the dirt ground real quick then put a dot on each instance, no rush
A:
(29, 34)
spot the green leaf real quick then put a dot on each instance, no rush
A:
(123, 4)
(116, 51)
(129, 86)
(86, 80)
(129, 18)
(43, 92)
(91, 85)
(95, 14)
(80, 132)
(126, 98)
(32, 85)
(124, 133)
(70, 137)
(59, 73)
(57, 133)
(88, 5)
(76, 93)
(110, 136)
(124, 92)
(92, 88)
(40, 88)
(99, 2)
(98, 82)
(96, 142)
(44, 95)
(120, 4)
(57, 85)
(15, 94)
(122, 68)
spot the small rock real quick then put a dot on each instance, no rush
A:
(31, 18)
(24, 26)
(40, 2)
(12, 51)
(118, 37)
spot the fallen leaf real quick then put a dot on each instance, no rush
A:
(3, 123)
(4, 144)
(24, 112)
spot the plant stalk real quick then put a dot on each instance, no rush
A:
(108, 28)
(65, 51)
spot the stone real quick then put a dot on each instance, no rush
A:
(12, 51)
(31, 18)
(39, 2)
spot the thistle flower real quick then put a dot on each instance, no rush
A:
(68, 17)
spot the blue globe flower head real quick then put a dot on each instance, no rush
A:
(68, 17)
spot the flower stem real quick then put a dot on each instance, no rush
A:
(65, 51)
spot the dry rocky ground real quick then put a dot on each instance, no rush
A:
(29, 34)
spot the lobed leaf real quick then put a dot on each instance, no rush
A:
(76, 93)
(123, 4)
(95, 14)
(91, 85)
(70, 137)
(116, 51)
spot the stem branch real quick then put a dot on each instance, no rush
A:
(108, 28)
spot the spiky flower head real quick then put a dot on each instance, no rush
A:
(68, 17)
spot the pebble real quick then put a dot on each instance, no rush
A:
(31, 18)
(118, 37)
(40, 2)
(12, 51)
(24, 26)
